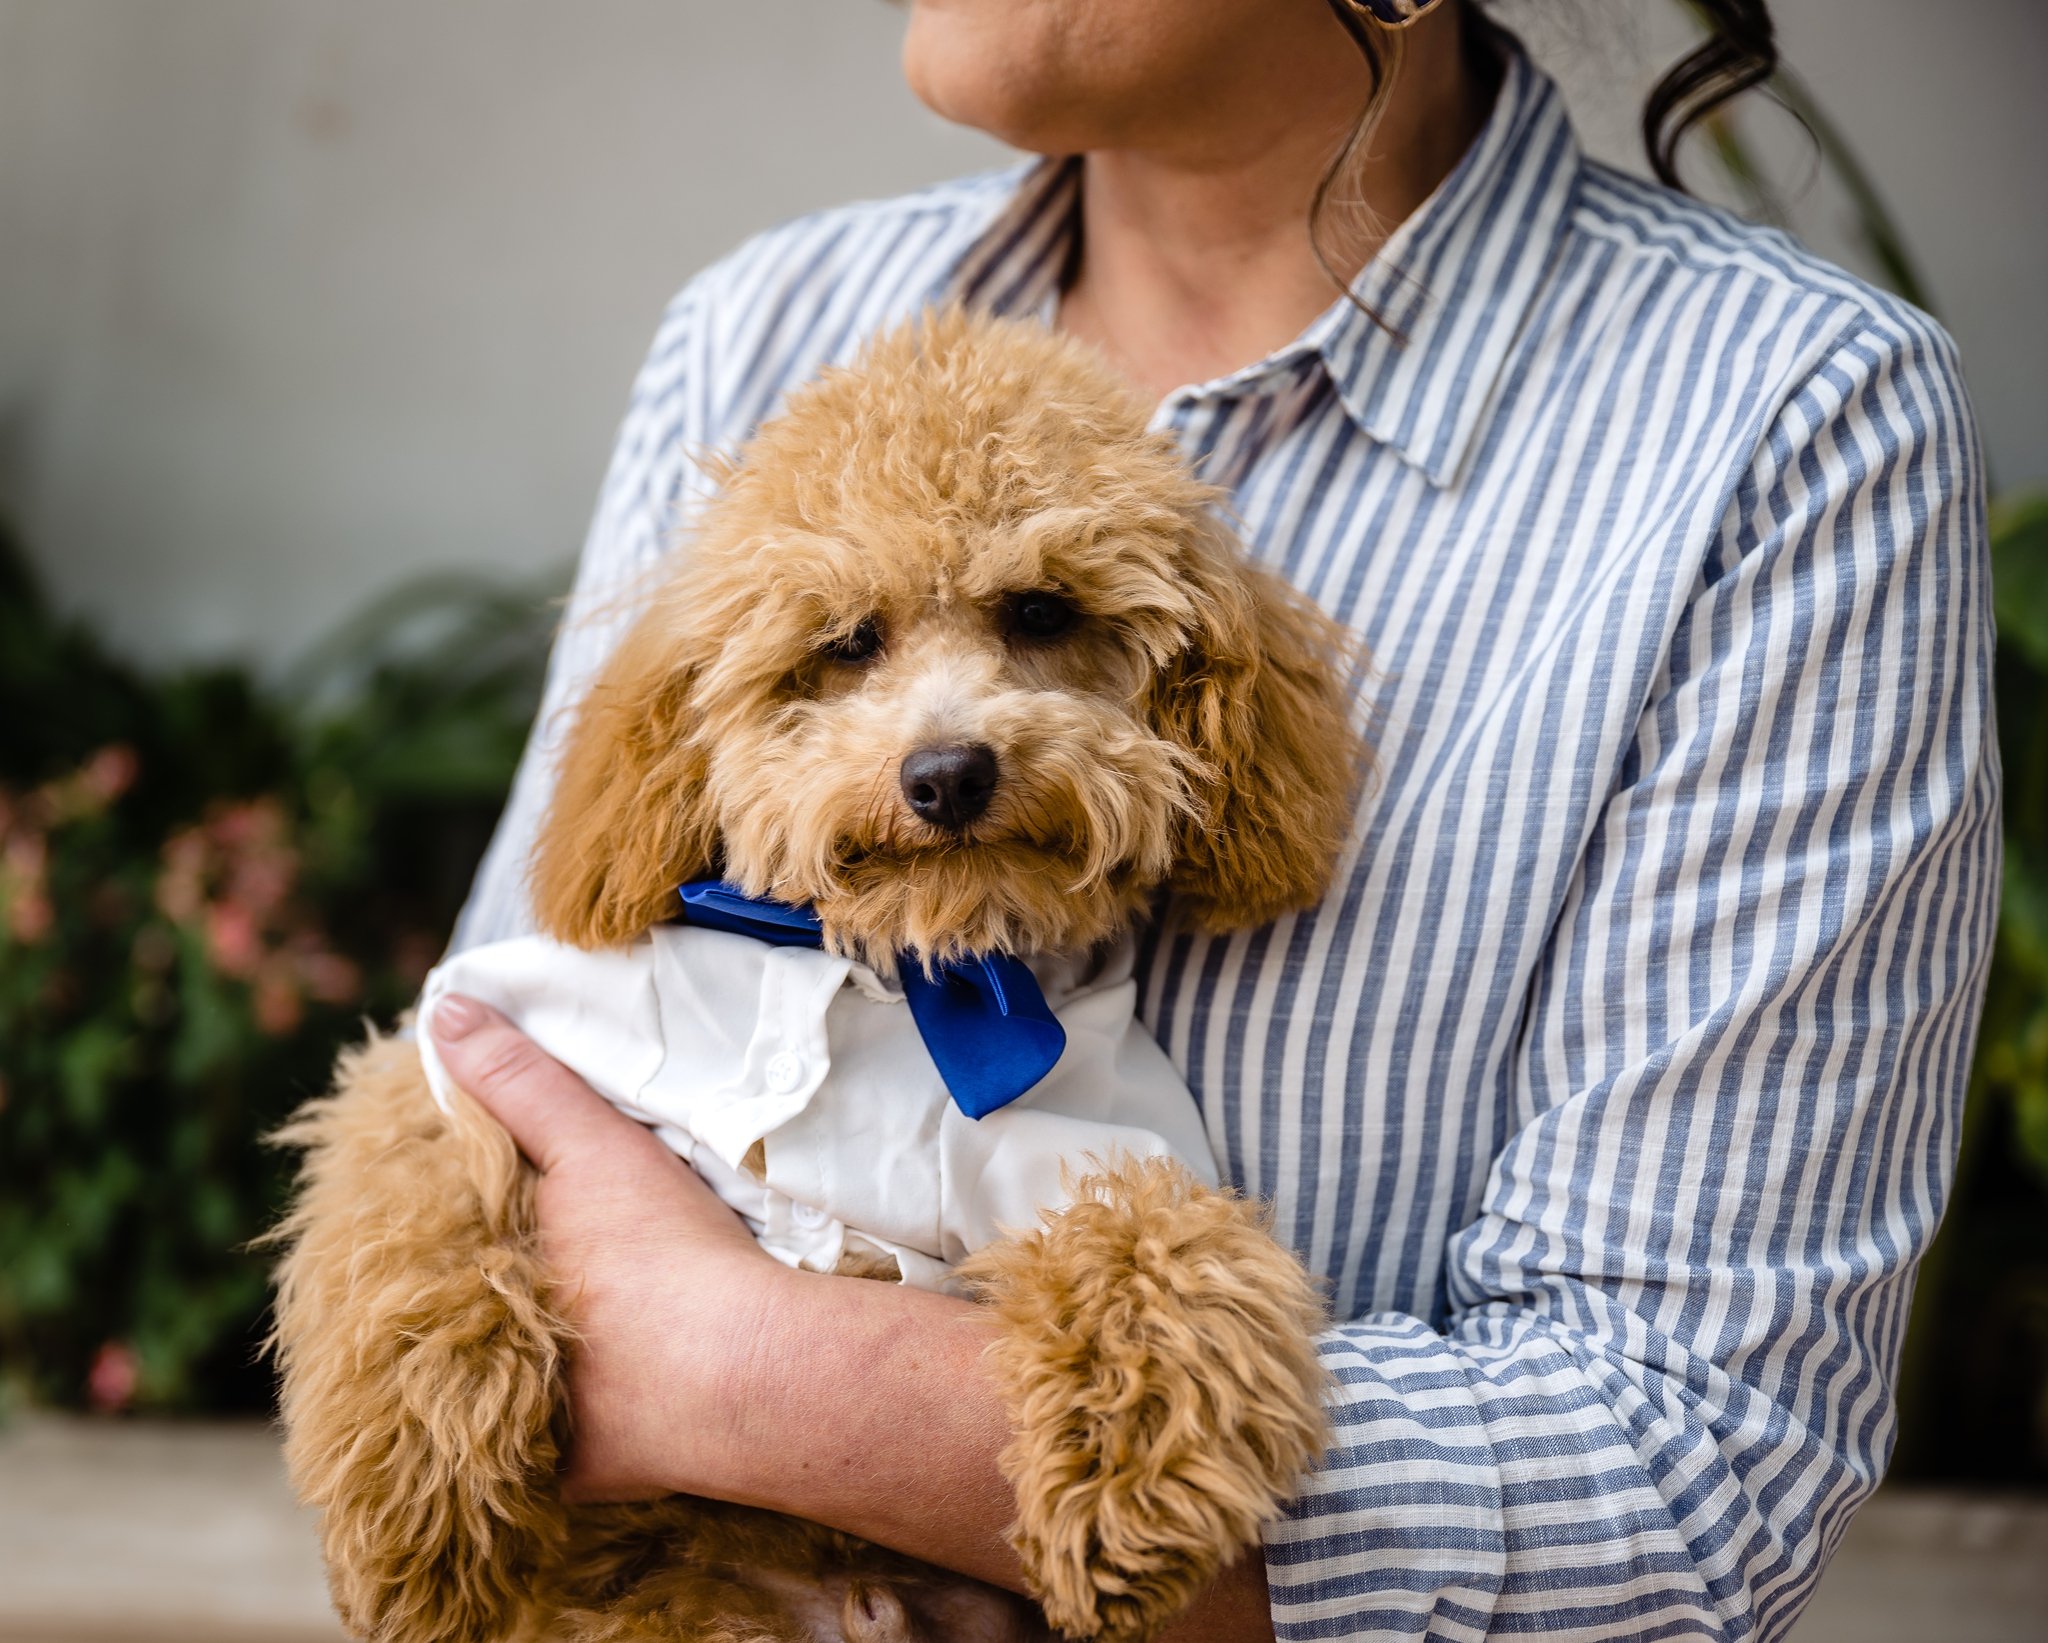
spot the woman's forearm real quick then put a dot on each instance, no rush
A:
(867, 1406)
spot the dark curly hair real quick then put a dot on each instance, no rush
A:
(1740, 51)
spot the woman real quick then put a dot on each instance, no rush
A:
(1614, 1087)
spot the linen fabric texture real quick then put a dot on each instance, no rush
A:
(1613, 1088)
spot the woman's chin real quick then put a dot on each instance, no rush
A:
(999, 69)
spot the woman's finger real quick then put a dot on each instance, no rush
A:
(549, 1112)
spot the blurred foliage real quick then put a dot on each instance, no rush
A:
(205, 885)
(1974, 1397)
(2012, 1057)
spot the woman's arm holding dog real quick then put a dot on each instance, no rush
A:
(705, 1366)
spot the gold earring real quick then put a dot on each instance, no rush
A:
(1390, 14)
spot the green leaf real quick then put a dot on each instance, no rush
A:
(216, 1212)
(2019, 575)
(2023, 916)
(2030, 1120)
(39, 1281)
(87, 1066)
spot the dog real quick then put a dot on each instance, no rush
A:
(963, 660)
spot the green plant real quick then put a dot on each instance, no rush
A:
(1974, 1398)
(2012, 1056)
(204, 886)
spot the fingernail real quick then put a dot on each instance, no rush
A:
(457, 1017)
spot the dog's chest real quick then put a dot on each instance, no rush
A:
(799, 1087)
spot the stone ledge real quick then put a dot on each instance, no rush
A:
(120, 1531)
(165, 1530)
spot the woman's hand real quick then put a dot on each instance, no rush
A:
(666, 1285)
(704, 1366)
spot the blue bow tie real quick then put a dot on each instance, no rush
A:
(984, 1020)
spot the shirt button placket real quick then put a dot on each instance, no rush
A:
(784, 1072)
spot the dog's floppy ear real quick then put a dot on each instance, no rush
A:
(1262, 697)
(629, 821)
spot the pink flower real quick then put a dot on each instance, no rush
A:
(25, 906)
(330, 978)
(89, 789)
(110, 772)
(27, 856)
(115, 1374)
(276, 1000)
(29, 916)
(186, 852)
(232, 940)
(262, 880)
(234, 875)
(181, 886)
(246, 826)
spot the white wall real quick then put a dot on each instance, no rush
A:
(298, 297)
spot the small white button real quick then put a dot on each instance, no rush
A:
(783, 1072)
(807, 1215)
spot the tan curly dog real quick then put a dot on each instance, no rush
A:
(978, 507)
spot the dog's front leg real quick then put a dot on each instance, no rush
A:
(420, 1359)
(1156, 1354)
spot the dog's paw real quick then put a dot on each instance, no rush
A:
(1156, 1351)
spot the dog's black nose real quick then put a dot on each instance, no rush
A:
(950, 786)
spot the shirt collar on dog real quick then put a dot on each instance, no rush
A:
(984, 1020)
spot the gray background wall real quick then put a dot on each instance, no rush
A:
(299, 297)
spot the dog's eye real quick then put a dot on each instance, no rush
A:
(1040, 615)
(863, 644)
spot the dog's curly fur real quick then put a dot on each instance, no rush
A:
(852, 594)
(1154, 1370)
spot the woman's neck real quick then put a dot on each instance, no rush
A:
(1194, 258)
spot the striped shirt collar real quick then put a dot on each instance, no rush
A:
(1452, 285)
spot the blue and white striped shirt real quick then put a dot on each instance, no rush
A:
(1614, 1088)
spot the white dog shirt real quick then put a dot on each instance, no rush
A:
(796, 1084)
